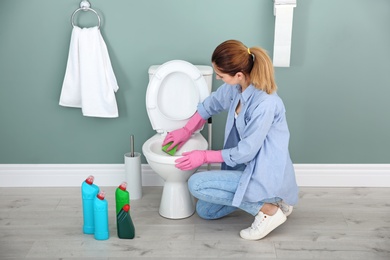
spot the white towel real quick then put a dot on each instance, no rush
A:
(89, 81)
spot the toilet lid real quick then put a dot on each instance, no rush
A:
(173, 95)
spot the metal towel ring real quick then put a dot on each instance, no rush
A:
(85, 6)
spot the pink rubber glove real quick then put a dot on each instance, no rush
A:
(180, 136)
(196, 158)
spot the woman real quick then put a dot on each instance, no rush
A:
(257, 174)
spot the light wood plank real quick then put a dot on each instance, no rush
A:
(328, 223)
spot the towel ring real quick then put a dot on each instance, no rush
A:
(85, 9)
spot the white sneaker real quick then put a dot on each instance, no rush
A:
(286, 209)
(263, 225)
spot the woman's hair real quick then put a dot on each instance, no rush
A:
(233, 56)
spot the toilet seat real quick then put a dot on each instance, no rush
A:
(173, 95)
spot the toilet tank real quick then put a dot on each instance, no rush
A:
(206, 71)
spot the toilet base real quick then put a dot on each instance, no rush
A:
(176, 201)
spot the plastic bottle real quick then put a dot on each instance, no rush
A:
(121, 197)
(124, 224)
(100, 212)
(88, 194)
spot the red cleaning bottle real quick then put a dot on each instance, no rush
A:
(124, 224)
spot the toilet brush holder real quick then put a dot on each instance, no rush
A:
(133, 175)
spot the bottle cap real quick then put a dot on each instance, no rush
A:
(126, 207)
(90, 179)
(101, 195)
(123, 186)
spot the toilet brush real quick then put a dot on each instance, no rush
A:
(132, 146)
(133, 174)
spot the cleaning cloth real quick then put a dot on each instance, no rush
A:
(89, 81)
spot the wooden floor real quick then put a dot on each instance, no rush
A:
(328, 223)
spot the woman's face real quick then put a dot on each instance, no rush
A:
(231, 80)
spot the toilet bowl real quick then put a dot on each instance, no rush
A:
(174, 91)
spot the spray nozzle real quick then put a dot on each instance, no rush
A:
(126, 207)
(90, 179)
(101, 195)
(123, 186)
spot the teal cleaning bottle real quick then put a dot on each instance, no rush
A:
(100, 212)
(124, 224)
(88, 194)
(121, 197)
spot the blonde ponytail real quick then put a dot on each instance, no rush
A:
(262, 73)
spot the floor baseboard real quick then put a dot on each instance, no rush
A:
(72, 175)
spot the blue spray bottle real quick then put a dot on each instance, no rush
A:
(100, 210)
(88, 194)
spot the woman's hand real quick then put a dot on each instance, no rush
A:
(196, 158)
(178, 137)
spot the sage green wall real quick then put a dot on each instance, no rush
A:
(336, 91)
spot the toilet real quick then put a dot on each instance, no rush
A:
(174, 91)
